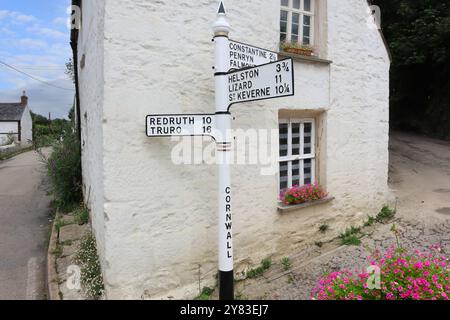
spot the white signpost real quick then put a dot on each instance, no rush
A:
(272, 80)
(260, 76)
(243, 55)
(181, 125)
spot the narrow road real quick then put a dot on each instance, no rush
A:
(419, 175)
(24, 228)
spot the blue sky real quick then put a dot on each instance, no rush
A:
(34, 38)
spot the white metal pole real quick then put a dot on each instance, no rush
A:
(224, 143)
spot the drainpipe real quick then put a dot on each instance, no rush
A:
(74, 45)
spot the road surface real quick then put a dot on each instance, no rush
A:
(24, 228)
(420, 177)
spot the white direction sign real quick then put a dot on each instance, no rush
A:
(243, 55)
(272, 80)
(180, 125)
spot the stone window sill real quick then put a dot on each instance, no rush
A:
(298, 57)
(282, 208)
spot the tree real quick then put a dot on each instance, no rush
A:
(418, 33)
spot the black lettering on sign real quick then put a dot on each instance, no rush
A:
(228, 224)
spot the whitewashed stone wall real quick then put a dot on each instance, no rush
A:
(8, 127)
(91, 81)
(26, 127)
(156, 222)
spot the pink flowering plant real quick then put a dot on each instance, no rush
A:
(403, 276)
(302, 194)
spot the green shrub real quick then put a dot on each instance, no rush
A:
(91, 274)
(370, 221)
(351, 240)
(265, 265)
(324, 228)
(205, 294)
(349, 237)
(385, 214)
(286, 263)
(81, 215)
(64, 170)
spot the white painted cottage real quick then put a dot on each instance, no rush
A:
(16, 122)
(155, 220)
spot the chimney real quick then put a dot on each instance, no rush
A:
(24, 99)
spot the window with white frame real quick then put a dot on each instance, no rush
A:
(297, 21)
(297, 152)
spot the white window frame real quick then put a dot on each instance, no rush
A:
(290, 9)
(289, 158)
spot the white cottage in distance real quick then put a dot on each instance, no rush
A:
(16, 122)
(156, 221)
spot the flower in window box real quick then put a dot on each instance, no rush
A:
(297, 48)
(302, 194)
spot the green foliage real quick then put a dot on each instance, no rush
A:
(324, 228)
(45, 132)
(418, 34)
(91, 274)
(286, 263)
(385, 214)
(64, 170)
(370, 221)
(349, 237)
(350, 240)
(81, 215)
(265, 265)
(205, 294)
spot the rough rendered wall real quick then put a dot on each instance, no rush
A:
(27, 127)
(8, 127)
(357, 164)
(91, 100)
(160, 218)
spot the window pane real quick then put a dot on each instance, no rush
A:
(306, 35)
(307, 5)
(306, 41)
(283, 26)
(295, 173)
(295, 138)
(307, 171)
(308, 138)
(283, 175)
(285, 3)
(306, 20)
(296, 4)
(295, 18)
(283, 139)
(283, 15)
(295, 29)
(283, 37)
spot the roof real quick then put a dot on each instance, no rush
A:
(11, 111)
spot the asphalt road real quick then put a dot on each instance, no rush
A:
(24, 228)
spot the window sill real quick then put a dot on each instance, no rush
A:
(298, 57)
(282, 208)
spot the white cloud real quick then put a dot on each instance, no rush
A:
(61, 21)
(31, 43)
(47, 32)
(17, 17)
(42, 98)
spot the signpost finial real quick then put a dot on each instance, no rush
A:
(221, 8)
(221, 26)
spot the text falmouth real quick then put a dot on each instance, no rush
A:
(242, 85)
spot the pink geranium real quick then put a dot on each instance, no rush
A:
(404, 276)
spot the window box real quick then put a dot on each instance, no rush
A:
(284, 208)
(296, 48)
